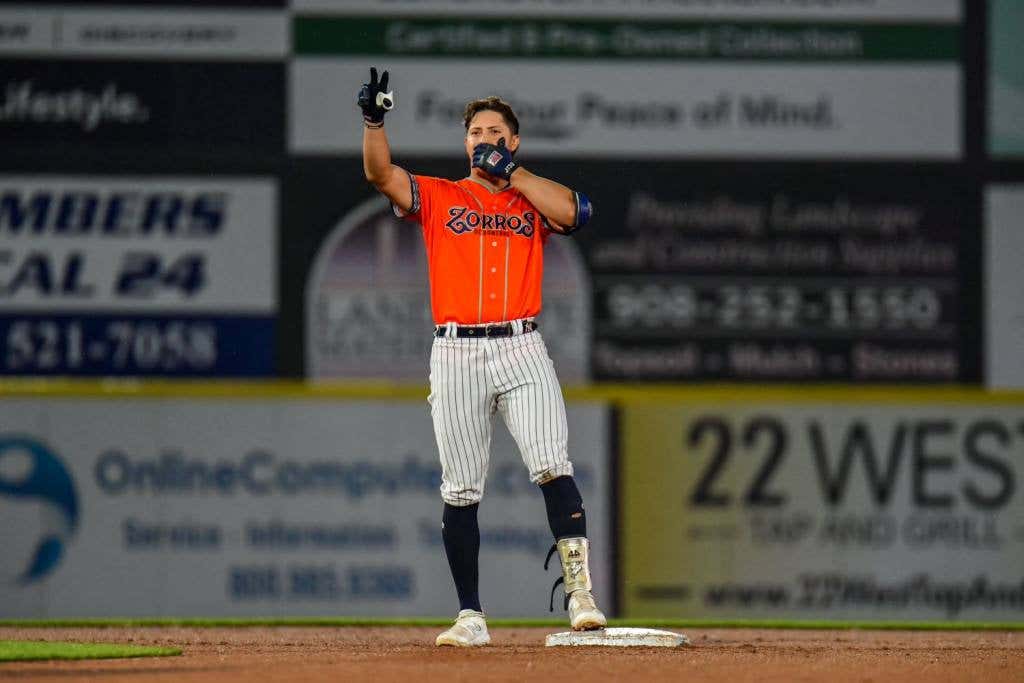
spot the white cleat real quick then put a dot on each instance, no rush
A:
(469, 630)
(583, 612)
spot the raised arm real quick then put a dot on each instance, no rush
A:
(392, 181)
(566, 210)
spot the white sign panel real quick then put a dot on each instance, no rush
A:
(1004, 254)
(147, 33)
(144, 243)
(264, 507)
(25, 31)
(665, 110)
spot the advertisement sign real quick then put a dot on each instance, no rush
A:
(873, 80)
(145, 32)
(616, 39)
(1004, 282)
(156, 107)
(823, 508)
(688, 271)
(137, 275)
(726, 273)
(801, 10)
(187, 507)
(1006, 79)
(642, 108)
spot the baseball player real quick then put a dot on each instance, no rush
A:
(485, 236)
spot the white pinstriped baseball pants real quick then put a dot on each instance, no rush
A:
(470, 380)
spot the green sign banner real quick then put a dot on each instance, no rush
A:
(610, 39)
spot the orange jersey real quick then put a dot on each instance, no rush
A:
(485, 250)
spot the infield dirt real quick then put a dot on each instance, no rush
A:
(383, 655)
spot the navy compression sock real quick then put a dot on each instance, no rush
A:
(565, 508)
(461, 535)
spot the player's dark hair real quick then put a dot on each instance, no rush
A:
(492, 103)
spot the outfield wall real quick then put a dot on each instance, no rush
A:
(845, 506)
(269, 505)
(172, 499)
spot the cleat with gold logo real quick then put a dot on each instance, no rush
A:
(573, 553)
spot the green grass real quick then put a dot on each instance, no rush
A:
(546, 623)
(35, 650)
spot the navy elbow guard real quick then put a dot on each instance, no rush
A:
(584, 210)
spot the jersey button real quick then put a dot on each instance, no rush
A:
(494, 244)
(493, 295)
(493, 269)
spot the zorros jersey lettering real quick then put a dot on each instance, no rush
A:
(463, 219)
(485, 250)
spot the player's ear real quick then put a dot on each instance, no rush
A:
(513, 144)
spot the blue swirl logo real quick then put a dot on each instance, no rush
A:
(31, 472)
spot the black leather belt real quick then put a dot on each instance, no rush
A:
(498, 330)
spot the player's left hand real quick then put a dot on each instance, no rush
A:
(495, 160)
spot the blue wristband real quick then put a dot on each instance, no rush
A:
(584, 210)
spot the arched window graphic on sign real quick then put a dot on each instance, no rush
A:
(368, 302)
